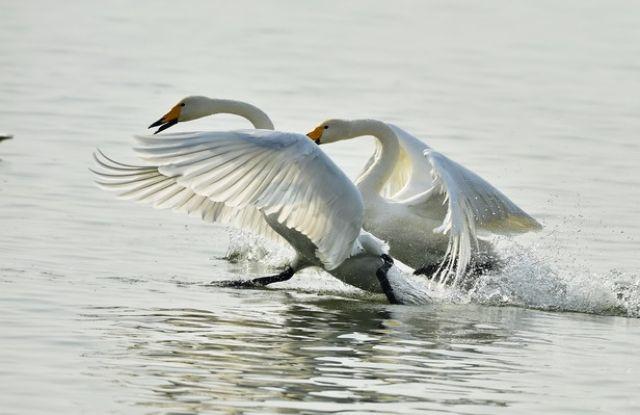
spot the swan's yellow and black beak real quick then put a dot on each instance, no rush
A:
(169, 119)
(316, 134)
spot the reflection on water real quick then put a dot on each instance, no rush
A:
(105, 343)
(295, 352)
(321, 355)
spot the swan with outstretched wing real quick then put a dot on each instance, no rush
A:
(409, 191)
(276, 184)
(426, 206)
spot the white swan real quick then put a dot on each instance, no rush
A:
(415, 196)
(194, 107)
(277, 184)
(394, 210)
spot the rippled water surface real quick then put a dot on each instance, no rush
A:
(105, 306)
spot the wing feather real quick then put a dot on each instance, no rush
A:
(174, 196)
(472, 204)
(238, 177)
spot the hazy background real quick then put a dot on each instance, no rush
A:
(103, 307)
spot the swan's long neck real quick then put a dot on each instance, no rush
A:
(372, 181)
(255, 115)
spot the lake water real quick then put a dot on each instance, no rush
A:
(104, 304)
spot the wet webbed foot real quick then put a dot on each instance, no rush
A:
(236, 284)
(381, 273)
(256, 282)
(479, 265)
(427, 270)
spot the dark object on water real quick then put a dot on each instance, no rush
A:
(5, 137)
(257, 282)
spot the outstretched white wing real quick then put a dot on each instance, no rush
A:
(472, 203)
(147, 185)
(488, 207)
(253, 173)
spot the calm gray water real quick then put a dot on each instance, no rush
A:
(104, 306)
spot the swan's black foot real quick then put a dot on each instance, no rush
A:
(256, 282)
(387, 259)
(479, 265)
(381, 273)
(427, 270)
(482, 264)
(236, 284)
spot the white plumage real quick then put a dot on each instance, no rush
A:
(229, 176)
(279, 185)
(426, 206)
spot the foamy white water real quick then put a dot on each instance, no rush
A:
(105, 307)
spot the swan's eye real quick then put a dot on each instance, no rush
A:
(182, 104)
(326, 127)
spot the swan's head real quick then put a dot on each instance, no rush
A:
(330, 131)
(189, 108)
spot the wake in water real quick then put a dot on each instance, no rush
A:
(532, 281)
(246, 246)
(528, 279)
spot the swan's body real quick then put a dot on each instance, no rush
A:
(278, 185)
(426, 206)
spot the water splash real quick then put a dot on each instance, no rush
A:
(530, 278)
(247, 247)
(534, 281)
